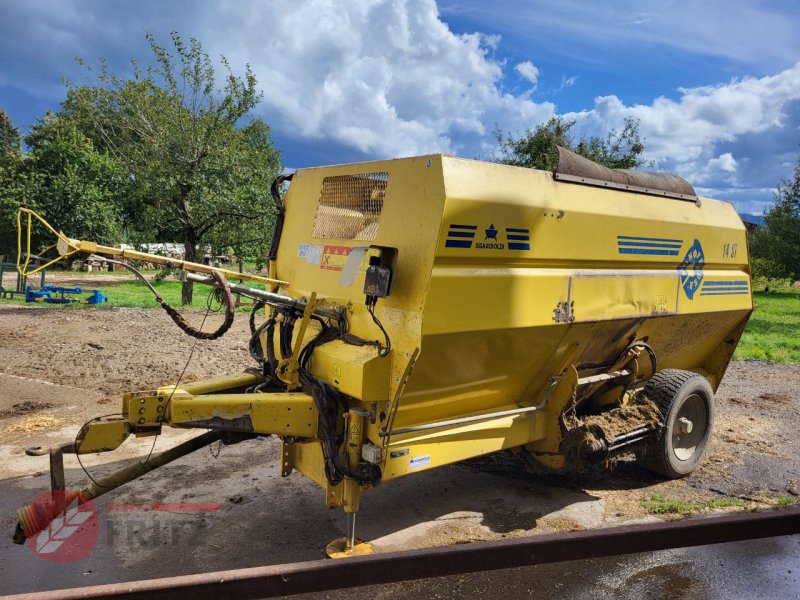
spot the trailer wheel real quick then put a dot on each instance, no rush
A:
(686, 403)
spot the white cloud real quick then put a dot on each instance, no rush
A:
(528, 71)
(720, 169)
(724, 162)
(385, 78)
(390, 78)
(567, 82)
(682, 135)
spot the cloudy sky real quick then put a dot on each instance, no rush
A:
(715, 84)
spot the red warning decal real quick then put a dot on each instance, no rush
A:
(334, 257)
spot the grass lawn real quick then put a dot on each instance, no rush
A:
(773, 332)
(134, 294)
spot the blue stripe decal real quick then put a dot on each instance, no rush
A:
(518, 246)
(723, 293)
(726, 283)
(648, 239)
(516, 230)
(648, 251)
(464, 234)
(649, 245)
(524, 238)
(463, 226)
(457, 244)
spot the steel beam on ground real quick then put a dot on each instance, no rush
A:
(322, 575)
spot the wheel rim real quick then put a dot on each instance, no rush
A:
(689, 427)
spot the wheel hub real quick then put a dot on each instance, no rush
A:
(685, 425)
(689, 427)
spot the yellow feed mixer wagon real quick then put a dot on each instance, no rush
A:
(427, 310)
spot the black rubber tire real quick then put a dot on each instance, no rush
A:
(670, 389)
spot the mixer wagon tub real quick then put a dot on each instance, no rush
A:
(433, 309)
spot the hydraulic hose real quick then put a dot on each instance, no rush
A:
(280, 214)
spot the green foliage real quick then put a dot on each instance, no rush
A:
(17, 185)
(618, 150)
(775, 248)
(773, 332)
(9, 137)
(659, 504)
(198, 177)
(783, 227)
(12, 183)
(66, 180)
(786, 500)
(763, 267)
(76, 186)
(537, 149)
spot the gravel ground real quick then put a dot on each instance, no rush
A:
(60, 367)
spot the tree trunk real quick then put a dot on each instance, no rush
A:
(190, 254)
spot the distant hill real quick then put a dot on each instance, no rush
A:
(755, 219)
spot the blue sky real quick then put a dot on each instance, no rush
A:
(716, 85)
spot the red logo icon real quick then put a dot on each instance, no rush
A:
(72, 533)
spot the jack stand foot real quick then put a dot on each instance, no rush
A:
(348, 545)
(338, 548)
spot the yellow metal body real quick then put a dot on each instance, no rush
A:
(508, 289)
(505, 279)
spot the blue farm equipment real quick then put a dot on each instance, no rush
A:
(53, 294)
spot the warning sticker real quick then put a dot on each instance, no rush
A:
(418, 462)
(334, 257)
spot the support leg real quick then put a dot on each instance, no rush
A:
(351, 531)
(349, 545)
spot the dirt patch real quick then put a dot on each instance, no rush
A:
(560, 524)
(114, 350)
(24, 408)
(775, 397)
(31, 423)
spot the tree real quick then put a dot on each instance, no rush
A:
(65, 179)
(16, 189)
(247, 221)
(9, 136)
(75, 186)
(775, 248)
(537, 149)
(14, 184)
(196, 174)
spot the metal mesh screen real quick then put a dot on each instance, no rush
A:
(350, 206)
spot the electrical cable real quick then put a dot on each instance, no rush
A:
(328, 401)
(225, 291)
(382, 350)
(177, 383)
(78, 456)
